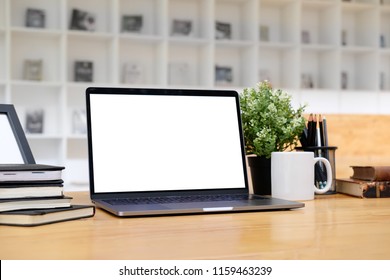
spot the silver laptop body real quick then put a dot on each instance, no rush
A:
(169, 151)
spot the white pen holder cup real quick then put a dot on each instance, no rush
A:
(293, 175)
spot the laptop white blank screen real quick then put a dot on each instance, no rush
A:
(158, 143)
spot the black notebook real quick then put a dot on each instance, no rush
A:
(34, 203)
(29, 172)
(34, 189)
(46, 216)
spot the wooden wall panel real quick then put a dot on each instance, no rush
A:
(361, 140)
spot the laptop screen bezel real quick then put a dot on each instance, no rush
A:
(161, 92)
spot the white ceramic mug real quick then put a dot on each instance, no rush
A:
(292, 175)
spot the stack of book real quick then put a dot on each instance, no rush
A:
(32, 194)
(366, 182)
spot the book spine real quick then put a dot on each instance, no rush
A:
(371, 173)
(370, 190)
(376, 189)
(384, 189)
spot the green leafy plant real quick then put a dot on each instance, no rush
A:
(270, 123)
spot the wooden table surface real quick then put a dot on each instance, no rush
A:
(330, 227)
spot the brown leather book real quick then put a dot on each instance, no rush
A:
(371, 173)
(363, 189)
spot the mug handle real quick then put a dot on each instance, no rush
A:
(328, 173)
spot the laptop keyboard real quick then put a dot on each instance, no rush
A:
(180, 199)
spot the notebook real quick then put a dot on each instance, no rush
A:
(169, 151)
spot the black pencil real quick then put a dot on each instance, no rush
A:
(303, 138)
(313, 129)
(325, 132)
(310, 132)
(320, 124)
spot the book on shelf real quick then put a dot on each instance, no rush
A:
(382, 81)
(344, 80)
(264, 33)
(132, 73)
(305, 37)
(82, 20)
(83, 71)
(307, 80)
(344, 37)
(362, 188)
(382, 40)
(223, 30)
(46, 216)
(371, 173)
(223, 75)
(34, 203)
(35, 120)
(132, 23)
(181, 27)
(33, 69)
(29, 172)
(32, 189)
(79, 121)
(35, 18)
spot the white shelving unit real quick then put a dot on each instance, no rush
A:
(328, 53)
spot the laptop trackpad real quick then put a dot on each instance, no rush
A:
(211, 204)
(144, 207)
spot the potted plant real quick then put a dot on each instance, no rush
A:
(270, 124)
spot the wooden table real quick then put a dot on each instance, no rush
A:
(330, 227)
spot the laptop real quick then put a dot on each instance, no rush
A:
(169, 151)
